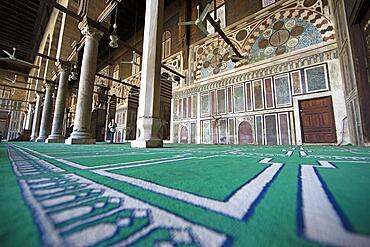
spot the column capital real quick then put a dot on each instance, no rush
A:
(88, 30)
(48, 85)
(63, 66)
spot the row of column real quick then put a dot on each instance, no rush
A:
(42, 122)
(148, 124)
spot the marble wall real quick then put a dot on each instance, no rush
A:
(289, 55)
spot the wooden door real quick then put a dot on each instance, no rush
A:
(317, 121)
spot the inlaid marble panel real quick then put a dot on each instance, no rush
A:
(249, 100)
(282, 91)
(214, 131)
(184, 107)
(175, 107)
(184, 135)
(271, 130)
(206, 132)
(231, 131)
(213, 102)
(221, 101)
(269, 99)
(223, 131)
(189, 106)
(239, 98)
(194, 111)
(258, 94)
(316, 79)
(230, 104)
(204, 99)
(180, 109)
(176, 133)
(193, 132)
(259, 130)
(296, 82)
(284, 129)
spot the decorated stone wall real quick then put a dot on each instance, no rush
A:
(296, 25)
(290, 54)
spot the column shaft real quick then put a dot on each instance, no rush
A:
(81, 129)
(36, 119)
(148, 122)
(28, 125)
(46, 114)
(60, 106)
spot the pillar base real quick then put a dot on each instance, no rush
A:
(147, 144)
(55, 139)
(72, 140)
(40, 139)
(149, 135)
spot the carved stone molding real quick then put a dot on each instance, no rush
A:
(250, 74)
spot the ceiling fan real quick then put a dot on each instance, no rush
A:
(12, 59)
(133, 61)
(199, 22)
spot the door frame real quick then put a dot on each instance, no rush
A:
(332, 116)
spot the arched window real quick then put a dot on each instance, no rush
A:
(116, 72)
(266, 3)
(136, 58)
(166, 44)
(219, 5)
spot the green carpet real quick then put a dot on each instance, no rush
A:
(184, 195)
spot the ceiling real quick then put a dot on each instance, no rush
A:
(130, 18)
(22, 23)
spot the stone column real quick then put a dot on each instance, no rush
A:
(46, 113)
(148, 122)
(60, 105)
(36, 118)
(81, 131)
(30, 111)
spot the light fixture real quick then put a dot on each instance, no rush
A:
(73, 75)
(113, 41)
(113, 37)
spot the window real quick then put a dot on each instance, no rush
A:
(166, 44)
(116, 72)
(266, 3)
(220, 15)
(136, 58)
